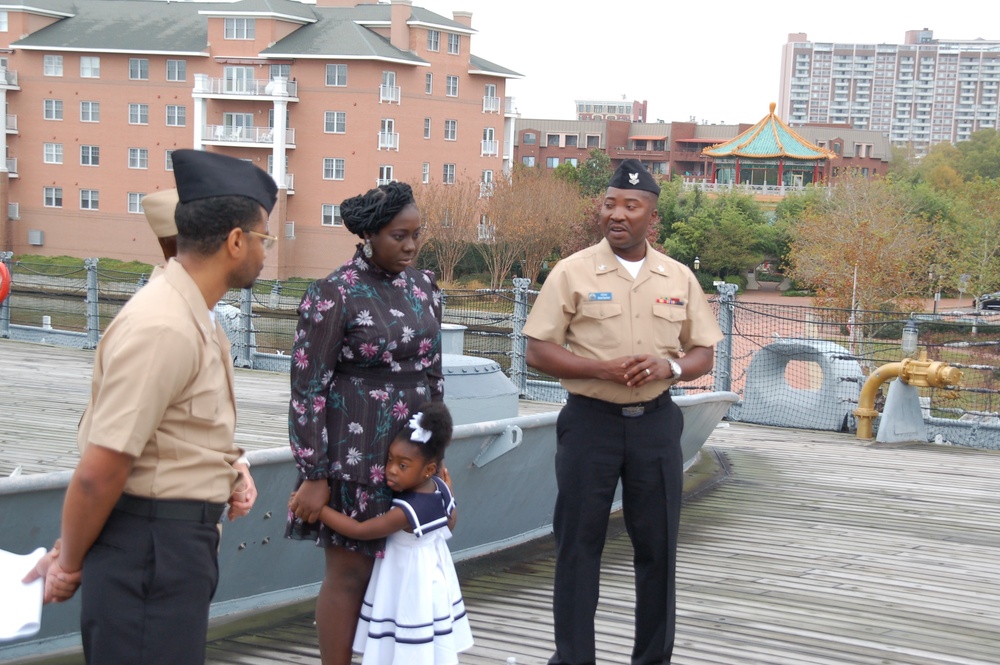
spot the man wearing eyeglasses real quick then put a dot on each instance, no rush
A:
(158, 461)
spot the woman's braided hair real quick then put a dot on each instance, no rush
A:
(367, 213)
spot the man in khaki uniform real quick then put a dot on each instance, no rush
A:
(618, 323)
(158, 462)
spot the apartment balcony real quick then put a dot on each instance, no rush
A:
(491, 105)
(382, 181)
(388, 94)
(248, 137)
(206, 86)
(388, 140)
(289, 182)
(8, 79)
(688, 155)
(490, 148)
(485, 189)
(11, 124)
(508, 106)
(12, 167)
(623, 152)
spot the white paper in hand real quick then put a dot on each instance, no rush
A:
(21, 609)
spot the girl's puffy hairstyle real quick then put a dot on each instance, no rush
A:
(369, 212)
(430, 429)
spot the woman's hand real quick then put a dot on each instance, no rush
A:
(309, 499)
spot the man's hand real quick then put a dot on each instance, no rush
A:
(245, 494)
(309, 499)
(60, 585)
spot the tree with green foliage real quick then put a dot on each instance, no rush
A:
(980, 155)
(973, 239)
(593, 176)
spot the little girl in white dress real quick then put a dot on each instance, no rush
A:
(413, 612)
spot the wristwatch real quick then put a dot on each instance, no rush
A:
(675, 368)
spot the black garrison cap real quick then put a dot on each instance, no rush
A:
(631, 174)
(203, 175)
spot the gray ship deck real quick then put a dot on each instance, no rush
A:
(813, 549)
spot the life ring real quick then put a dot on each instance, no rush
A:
(4, 281)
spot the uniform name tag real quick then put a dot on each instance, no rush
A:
(600, 295)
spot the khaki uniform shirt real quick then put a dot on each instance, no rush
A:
(162, 392)
(591, 305)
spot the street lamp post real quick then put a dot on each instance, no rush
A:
(697, 263)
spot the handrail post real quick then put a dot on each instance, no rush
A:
(518, 365)
(93, 309)
(245, 349)
(724, 350)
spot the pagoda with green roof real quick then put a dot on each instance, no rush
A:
(769, 154)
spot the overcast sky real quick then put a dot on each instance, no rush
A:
(717, 61)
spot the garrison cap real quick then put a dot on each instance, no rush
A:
(159, 209)
(204, 175)
(631, 174)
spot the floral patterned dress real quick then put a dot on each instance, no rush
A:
(367, 352)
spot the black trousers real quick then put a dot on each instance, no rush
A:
(147, 586)
(597, 446)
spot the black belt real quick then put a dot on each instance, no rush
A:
(626, 410)
(171, 509)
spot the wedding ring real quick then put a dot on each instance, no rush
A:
(648, 373)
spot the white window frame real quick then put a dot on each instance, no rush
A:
(551, 162)
(331, 211)
(90, 67)
(176, 115)
(333, 168)
(52, 153)
(335, 122)
(434, 40)
(448, 174)
(93, 113)
(138, 69)
(52, 109)
(168, 160)
(429, 83)
(138, 158)
(451, 86)
(339, 75)
(90, 199)
(52, 197)
(385, 173)
(451, 130)
(177, 70)
(239, 28)
(90, 155)
(425, 174)
(454, 43)
(52, 65)
(138, 114)
(427, 128)
(4, 21)
(135, 202)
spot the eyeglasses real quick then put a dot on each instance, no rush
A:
(268, 240)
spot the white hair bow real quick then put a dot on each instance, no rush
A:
(420, 434)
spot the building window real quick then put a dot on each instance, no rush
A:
(451, 130)
(138, 69)
(433, 40)
(53, 109)
(454, 43)
(284, 71)
(90, 111)
(89, 199)
(52, 197)
(552, 140)
(333, 168)
(425, 174)
(138, 158)
(3, 21)
(335, 122)
(427, 128)
(593, 141)
(53, 153)
(238, 79)
(551, 162)
(385, 174)
(90, 155)
(336, 75)
(331, 215)
(572, 161)
(572, 139)
(529, 138)
(168, 160)
(448, 174)
(239, 28)
(52, 65)
(176, 70)
(176, 116)
(135, 202)
(90, 67)
(138, 114)
(451, 87)
(429, 83)
(528, 160)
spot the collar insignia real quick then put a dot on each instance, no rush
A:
(660, 268)
(633, 178)
(601, 267)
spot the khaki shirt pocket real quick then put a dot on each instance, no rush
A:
(668, 325)
(599, 324)
(203, 409)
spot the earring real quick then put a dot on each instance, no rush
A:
(367, 249)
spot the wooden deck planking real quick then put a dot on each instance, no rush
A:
(816, 550)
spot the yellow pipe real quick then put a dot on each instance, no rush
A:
(915, 372)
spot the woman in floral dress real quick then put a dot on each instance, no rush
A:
(367, 351)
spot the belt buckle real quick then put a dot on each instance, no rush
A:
(633, 411)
